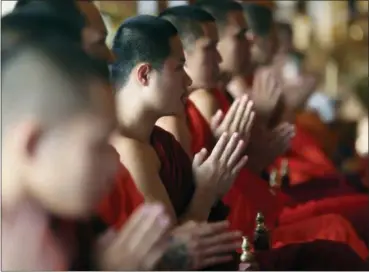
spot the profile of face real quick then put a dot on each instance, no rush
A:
(95, 32)
(165, 90)
(232, 44)
(71, 166)
(285, 41)
(264, 48)
(203, 58)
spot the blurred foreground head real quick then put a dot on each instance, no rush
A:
(57, 116)
(82, 17)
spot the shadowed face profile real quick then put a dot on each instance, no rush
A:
(232, 43)
(264, 48)
(202, 61)
(94, 33)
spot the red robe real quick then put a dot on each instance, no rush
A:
(122, 200)
(199, 128)
(176, 174)
(249, 190)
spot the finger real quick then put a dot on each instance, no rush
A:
(248, 114)
(200, 157)
(219, 147)
(236, 155)
(230, 115)
(229, 149)
(214, 260)
(138, 219)
(216, 120)
(236, 122)
(151, 259)
(221, 248)
(249, 125)
(241, 163)
(151, 233)
(225, 237)
(212, 228)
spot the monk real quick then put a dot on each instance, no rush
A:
(343, 206)
(180, 16)
(149, 66)
(309, 159)
(180, 254)
(49, 113)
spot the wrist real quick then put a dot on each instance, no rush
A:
(209, 194)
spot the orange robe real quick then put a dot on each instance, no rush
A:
(251, 194)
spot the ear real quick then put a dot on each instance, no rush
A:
(29, 139)
(250, 36)
(143, 73)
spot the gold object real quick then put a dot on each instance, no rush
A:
(273, 178)
(247, 255)
(260, 222)
(248, 262)
(284, 180)
(284, 171)
(261, 234)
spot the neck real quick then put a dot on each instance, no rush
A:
(135, 120)
(15, 200)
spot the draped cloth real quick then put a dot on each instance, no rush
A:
(202, 136)
(177, 177)
(250, 194)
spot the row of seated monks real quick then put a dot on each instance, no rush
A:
(162, 153)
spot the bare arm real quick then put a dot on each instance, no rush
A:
(143, 164)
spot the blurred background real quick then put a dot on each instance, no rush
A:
(332, 34)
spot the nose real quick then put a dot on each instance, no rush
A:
(218, 56)
(187, 79)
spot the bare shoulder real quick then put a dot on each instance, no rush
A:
(143, 164)
(136, 155)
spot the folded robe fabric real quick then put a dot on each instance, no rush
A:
(250, 195)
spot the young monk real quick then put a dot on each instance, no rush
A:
(296, 155)
(194, 40)
(183, 253)
(149, 76)
(58, 75)
(179, 20)
(289, 214)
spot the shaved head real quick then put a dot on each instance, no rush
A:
(83, 16)
(58, 115)
(54, 74)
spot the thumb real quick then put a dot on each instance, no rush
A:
(216, 119)
(106, 238)
(200, 157)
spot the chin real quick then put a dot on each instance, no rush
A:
(82, 212)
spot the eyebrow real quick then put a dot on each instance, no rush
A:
(182, 60)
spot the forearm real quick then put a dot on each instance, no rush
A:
(200, 206)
